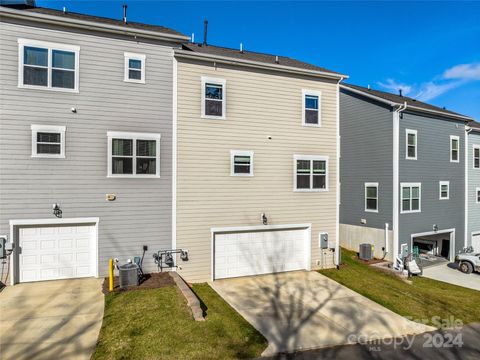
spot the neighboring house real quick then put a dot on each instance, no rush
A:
(473, 180)
(86, 123)
(402, 174)
(257, 163)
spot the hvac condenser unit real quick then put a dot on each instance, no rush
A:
(366, 252)
(128, 275)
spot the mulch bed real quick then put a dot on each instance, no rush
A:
(149, 281)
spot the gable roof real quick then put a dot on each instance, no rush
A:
(397, 100)
(475, 126)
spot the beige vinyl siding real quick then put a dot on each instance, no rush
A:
(260, 104)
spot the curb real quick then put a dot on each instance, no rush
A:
(192, 300)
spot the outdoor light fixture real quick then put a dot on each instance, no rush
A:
(56, 211)
(435, 227)
(264, 219)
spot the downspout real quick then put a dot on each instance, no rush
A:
(386, 248)
(468, 129)
(337, 201)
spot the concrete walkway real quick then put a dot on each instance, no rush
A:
(448, 273)
(306, 310)
(51, 319)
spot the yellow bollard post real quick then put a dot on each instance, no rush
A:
(110, 275)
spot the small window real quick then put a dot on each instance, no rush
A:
(213, 98)
(48, 141)
(133, 154)
(311, 108)
(476, 157)
(311, 173)
(135, 68)
(454, 148)
(411, 144)
(444, 188)
(371, 197)
(411, 197)
(49, 66)
(478, 195)
(241, 163)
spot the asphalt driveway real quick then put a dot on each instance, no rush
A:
(448, 273)
(51, 319)
(305, 310)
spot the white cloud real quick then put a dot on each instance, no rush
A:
(394, 86)
(463, 71)
(431, 90)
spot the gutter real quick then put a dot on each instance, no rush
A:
(89, 25)
(186, 54)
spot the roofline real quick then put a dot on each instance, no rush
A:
(415, 108)
(256, 64)
(89, 25)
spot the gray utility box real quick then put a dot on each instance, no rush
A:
(128, 275)
(366, 252)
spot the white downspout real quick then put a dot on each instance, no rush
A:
(468, 129)
(386, 248)
(337, 201)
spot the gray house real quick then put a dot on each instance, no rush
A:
(473, 181)
(85, 141)
(402, 174)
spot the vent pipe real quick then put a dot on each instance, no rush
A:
(205, 30)
(125, 14)
(276, 60)
(400, 92)
(241, 47)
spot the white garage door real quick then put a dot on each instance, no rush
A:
(260, 252)
(56, 252)
(476, 242)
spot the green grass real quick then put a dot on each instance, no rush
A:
(157, 324)
(423, 299)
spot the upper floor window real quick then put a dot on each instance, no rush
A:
(45, 65)
(411, 197)
(371, 197)
(311, 110)
(213, 98)
(444, 189)
(411, 144)
(135, 68)
(454, 148)
(133, 154)
(48, 141)
(476, 156)
(241, 163)
(311, 173)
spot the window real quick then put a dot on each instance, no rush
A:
(135, 68)
(444, 189)
(454, 148)
(311, 173)
(371, 197)
(44, 65)
(213, 98)
(476, 156)
(241, 163)
(133, 154)
(411, 144)
(478, 195)
(411, 197)
(311, 108)
(48, 141)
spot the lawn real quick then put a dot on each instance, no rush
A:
(423, 299)
(157, 324)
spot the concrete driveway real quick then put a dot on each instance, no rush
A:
(51, 319)
(448, 273)
(306, 310)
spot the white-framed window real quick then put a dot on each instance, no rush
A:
(310, 173)
(133, 154)
(371, 197)
(411, 197)
(454, 148)
(311, 108)
(241, 163)
(134, 67)
(50, 66)
(476, 156)
(444, 190)
(411, 144)
(48, 141)
(214, 98)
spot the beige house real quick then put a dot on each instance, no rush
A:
(256, 163)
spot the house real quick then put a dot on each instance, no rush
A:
(402, 174)
(257, 161)
(473, 183)
(85, 141)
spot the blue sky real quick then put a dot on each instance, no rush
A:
(430, 49)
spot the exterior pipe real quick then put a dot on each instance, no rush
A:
(468, 129)
(386, 249)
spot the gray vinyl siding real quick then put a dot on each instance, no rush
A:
(366, 131)
(142, 212)
(432, 166)
(473, 184)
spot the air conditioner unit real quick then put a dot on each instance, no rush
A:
(366, 252)
(128, 275)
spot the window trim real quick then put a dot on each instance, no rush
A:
(367, 185)
(234, 153)
(215, 81)
(133, 136)
(475, 147)
(410, 185)
(49, 46)
(454, 137)
(134, 56)
(411, 132)
(306, 92)
(440, 184)
(310, 158)
(48, 129)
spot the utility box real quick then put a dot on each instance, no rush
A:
(323, 240)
